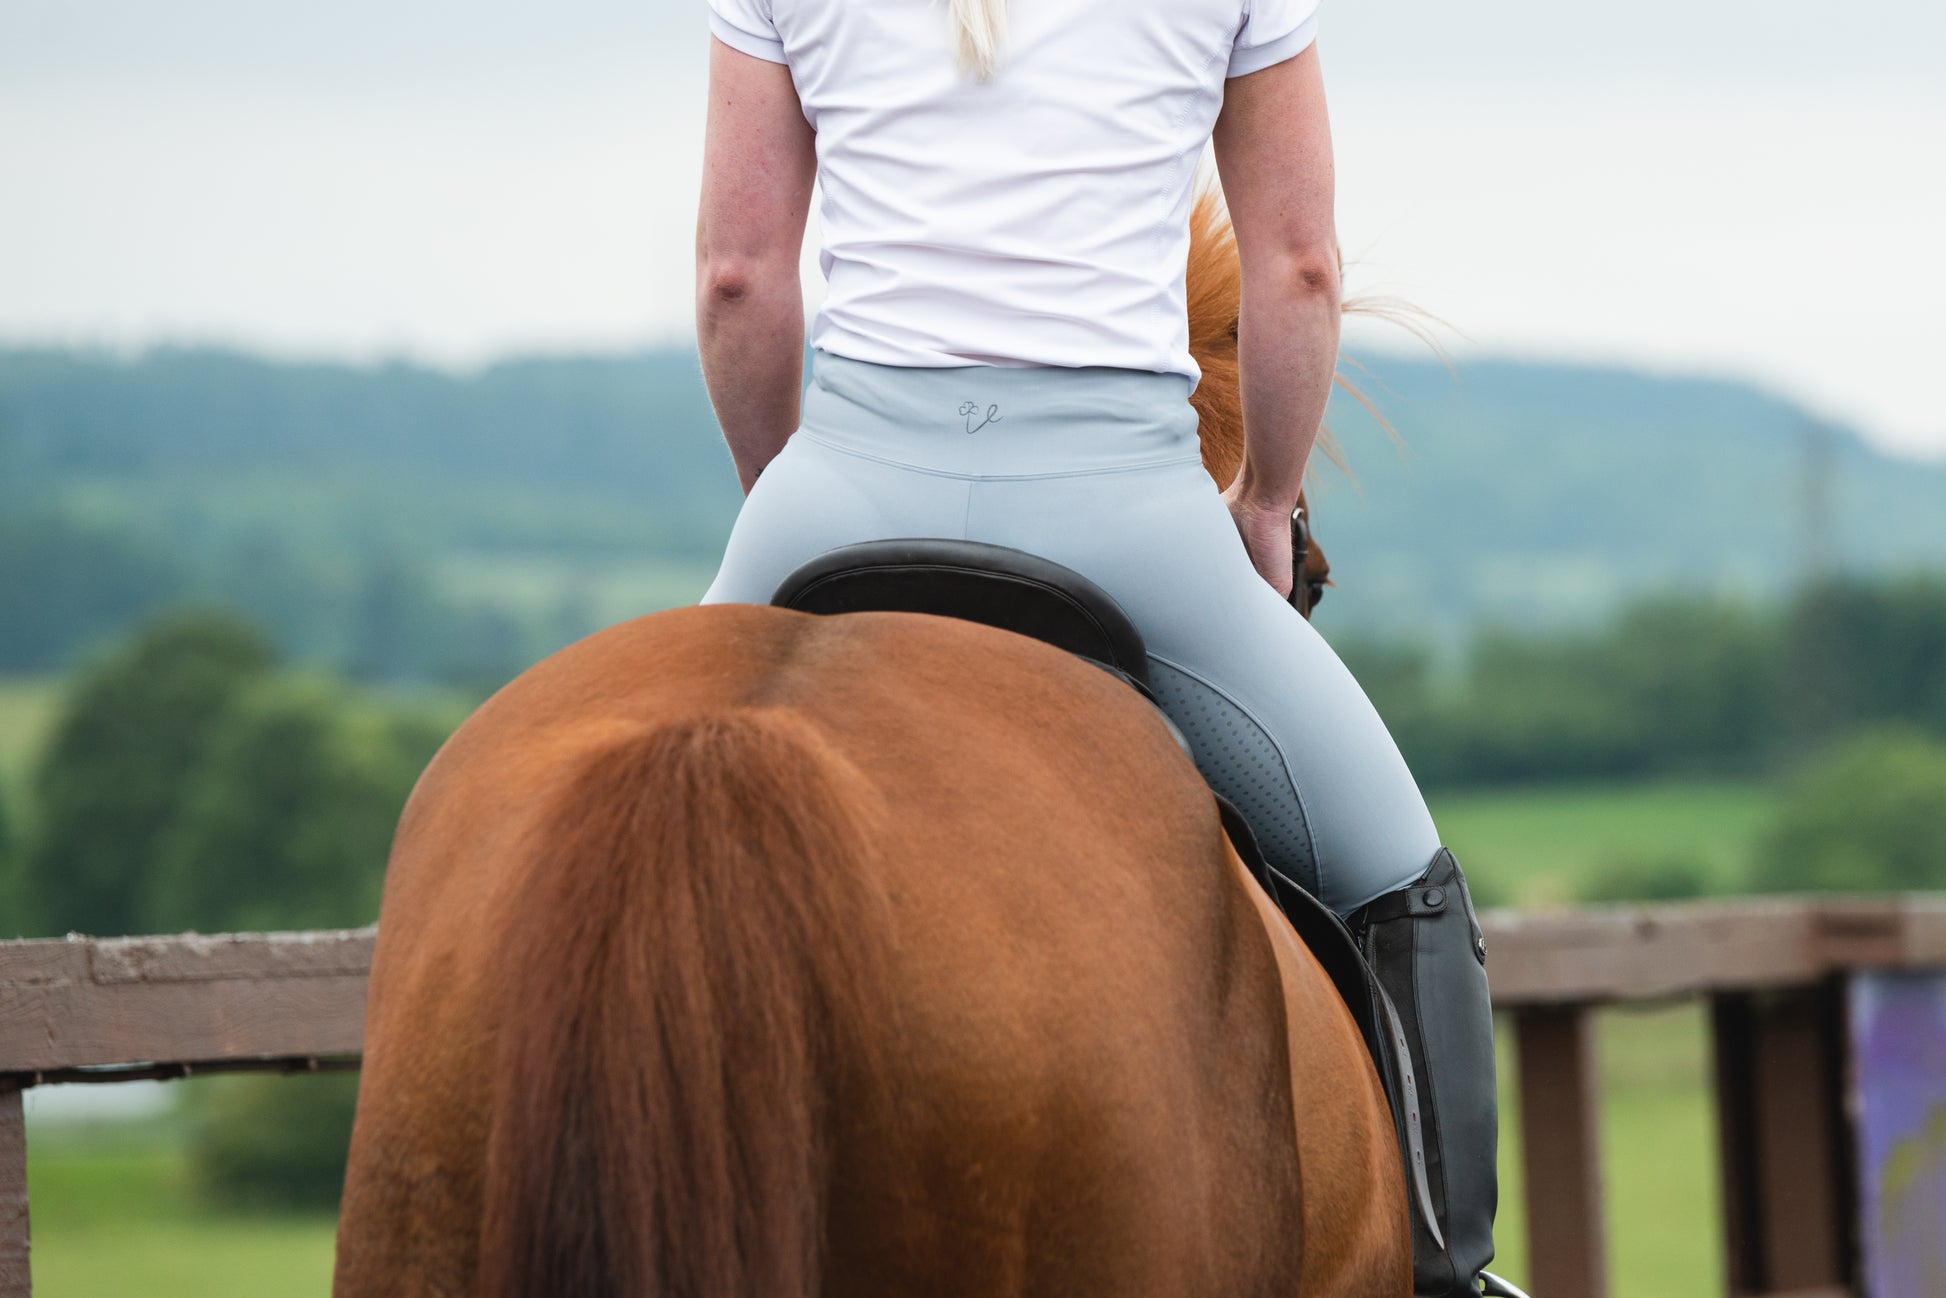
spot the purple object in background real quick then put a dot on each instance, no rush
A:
(1898, 1031)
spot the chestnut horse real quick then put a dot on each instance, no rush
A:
(736, 951)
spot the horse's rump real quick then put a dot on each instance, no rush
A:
(735, 950)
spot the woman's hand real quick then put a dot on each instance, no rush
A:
(1266, 532)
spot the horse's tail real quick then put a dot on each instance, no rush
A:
(688, 974)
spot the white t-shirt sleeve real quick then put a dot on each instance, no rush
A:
(746, 25)
(1272, 31)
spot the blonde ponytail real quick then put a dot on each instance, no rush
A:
(979, 30)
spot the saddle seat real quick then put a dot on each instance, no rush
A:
(1032, 596)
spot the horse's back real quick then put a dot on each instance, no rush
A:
(1080, 1076)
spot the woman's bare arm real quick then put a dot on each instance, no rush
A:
(1273, 152)
(759, 162)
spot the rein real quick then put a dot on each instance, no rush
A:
(1306, 590)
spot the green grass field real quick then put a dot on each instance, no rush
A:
(1538, 847)
(114, 1213)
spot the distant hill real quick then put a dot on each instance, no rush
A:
(539, 498)
(393, 521)
(1538, 494)
(528, 453)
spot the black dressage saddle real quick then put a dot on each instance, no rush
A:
(1024, 593)
(990, 584)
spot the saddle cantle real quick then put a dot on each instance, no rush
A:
(1013, 590)
(990, 584)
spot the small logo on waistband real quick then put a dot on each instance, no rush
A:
(970, 410)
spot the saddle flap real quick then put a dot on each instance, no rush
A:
(1333, 946)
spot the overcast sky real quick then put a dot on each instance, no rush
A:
(1719, 186)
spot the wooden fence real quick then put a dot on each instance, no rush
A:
(114, 1009)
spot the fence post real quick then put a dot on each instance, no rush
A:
(1787, 1196)
(1560, 1116)
(15, 1279)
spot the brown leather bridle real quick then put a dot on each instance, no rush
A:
(1310, 570)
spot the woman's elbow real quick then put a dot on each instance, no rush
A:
(1313, 273)
(725, 283)
(1296, 272)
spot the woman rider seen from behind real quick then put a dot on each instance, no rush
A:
(1003, 356)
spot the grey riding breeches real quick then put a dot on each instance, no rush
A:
(1099, 469)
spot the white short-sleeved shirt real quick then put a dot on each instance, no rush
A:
(1041, 218)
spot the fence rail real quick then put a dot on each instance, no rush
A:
(111, 1009)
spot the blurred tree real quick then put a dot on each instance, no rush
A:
(301, 595)
(136, 728)
(1863, 652)
(1540, 708)
(487, 648)
(10, 901)
(1700, 678)
(398, 622)
(65, 583)
(288, 821)
(1669, 685)
(266, 1141)
(1397, 675)
(1867, 819)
